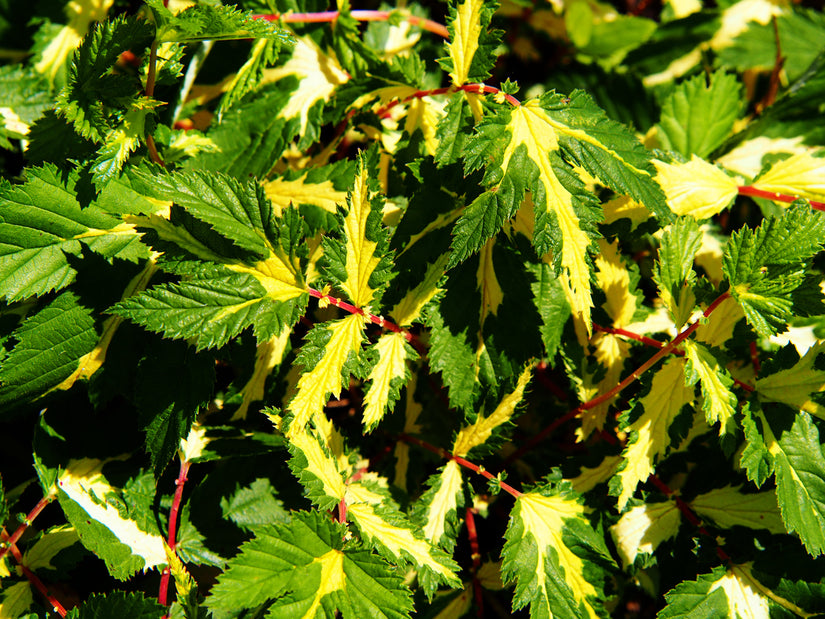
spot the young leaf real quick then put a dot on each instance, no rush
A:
(699, 114)
(650, 438)
(800, 175)
(471, 47)
(697, 188)
(309, 572)
(765, 266)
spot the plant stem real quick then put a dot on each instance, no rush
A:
(31, 576)
(748, 190)
(480, 470)
(349, 307)
(330, 16)
(472, 536)
(172, 531)
(41, 505)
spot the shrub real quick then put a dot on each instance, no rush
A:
(319, 321)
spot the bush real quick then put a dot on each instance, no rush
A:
(303, 315)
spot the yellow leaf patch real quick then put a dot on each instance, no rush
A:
(745, 601)
(409, 308)
(696, 188)
(643, 528)
(444, 501)
(319, 463)
(801, 175)
(346, 336)
(467, 29)
(667, 395)
(361, 258)
(544, 518)
(719, 402)
(392, 356)
(332, 579)
(287, 193)
(269, 355)
(795, 385)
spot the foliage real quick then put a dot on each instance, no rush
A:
(302, 314)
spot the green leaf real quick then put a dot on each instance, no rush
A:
(674, 270)
(765, 266)
(308, 571)
(699, 114)
(694, 599)
(800, 481)
(550, 300)
(203, 22)
(41, 224)
(248, 78)
(117, 605)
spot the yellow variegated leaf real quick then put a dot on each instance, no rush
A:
(590, 478)
(319, 463)
(409, 308)
(459, 606)
(399, 541)
(625, 207)
(667, 395)
(83, 483)
(719, 401)
(696, 188)
(531, 126)
(319, 74)
(361, 258)
(746, 159)
(745, 600)
(728, 507)
(444, 501)
(643, 528)
(286, 193)
(332, 579)
(269, 355)
(613, 278)
(719, 326)
(357, 492)
(544, 519)
(195, 442)
(412, 412)
(80, 13)
(467, 30)
(392, 356)
(478, 433)
(801, 175)
(46, 548)
(735, 18)
(487, 283)
(424, 114)
(611, 352)
(709, 256)
(797, 384)
(314, 386)
(17, 599)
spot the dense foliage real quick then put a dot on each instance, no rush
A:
(454, 310)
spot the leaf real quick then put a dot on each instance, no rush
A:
(650, 438)
(800, 481)
(696, 188)
(396, 539)
(548, 540)
(796, 385)
(437, 509)
(308, 571)
(203, 22)
(41, 223)
(116, 605)
(386, 377)
(270, 354)
(699, 114)
(729, 506)
(641, 529)
(360, 262)
(764, 267)
(324, 187)
(103, 529)
(328, 357)
(40, 555)
(696, 599)
(264, 52)
(674, 270)
(319, 75)
(316, 468)
(529, 147)
(471, 46)
(800, 175)
(719, 402)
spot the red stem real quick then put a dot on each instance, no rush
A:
(31, 576)
(349, 307)
(748, 190)
(688, 513)
(34, 513)
(172, 533)
(472, 536)
(480, 470)
(330, 16)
